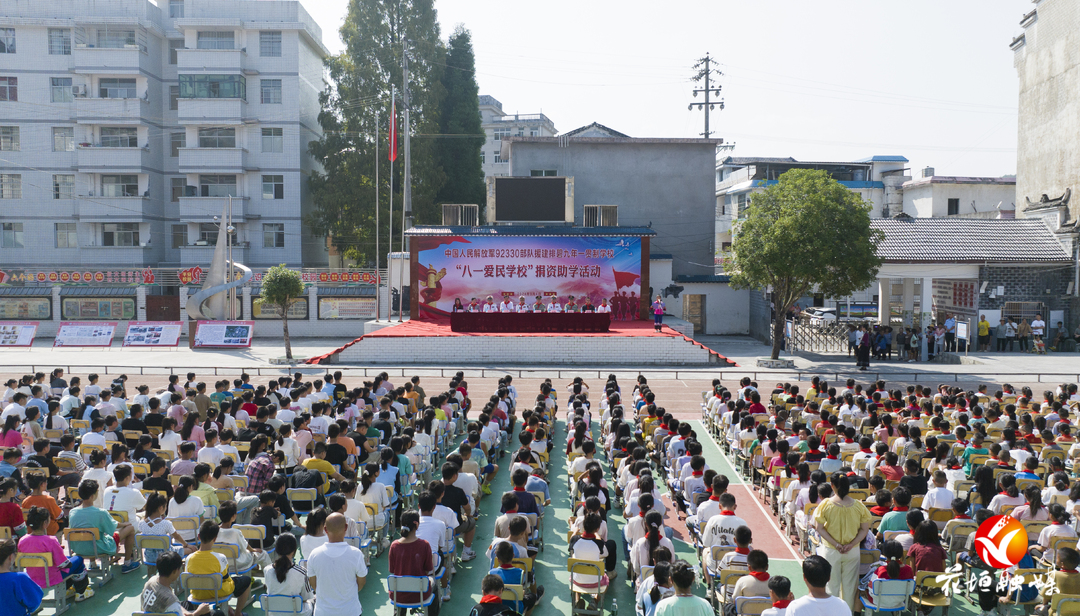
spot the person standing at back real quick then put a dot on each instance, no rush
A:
(337, 572)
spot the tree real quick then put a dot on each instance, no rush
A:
(281, 287)
(343, 190)
(459, 156)
(806, 231)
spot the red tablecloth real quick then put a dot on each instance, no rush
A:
(529, 322)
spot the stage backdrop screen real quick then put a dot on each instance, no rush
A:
(530, 199)
(478, 266)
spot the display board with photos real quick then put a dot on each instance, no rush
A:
(85, 334)
(17, 333)
(26, 308)
(265, 310)
(223, 334)
(346, 308)
(122, 308)
(153, 333)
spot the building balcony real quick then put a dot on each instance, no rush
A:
(203, 255)
(211, 61)
(213, 160)
(217, 111)
(111, 110)
(204, 209)
(115, 209)
(96, 159)
(130, 256)
(127, 60)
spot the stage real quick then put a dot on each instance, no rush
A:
(432, 342)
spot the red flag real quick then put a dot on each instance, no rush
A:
(624, 279)
(393, 130)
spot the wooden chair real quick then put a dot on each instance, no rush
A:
(278, 605)
(592, 596)
(64, 464)
(90, 536)
(151, 542)
(121, 517)
(1064, 605)
(752, 606)
(132, 435)
(724, 581)
(922, 599)
(44, 560)
(79, 424)
(240, 482)
(206, 582)
(165, 454)
(86, 449)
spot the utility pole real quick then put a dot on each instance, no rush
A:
(393, 158)
(406, 205)
(378, 283)
(704, 72)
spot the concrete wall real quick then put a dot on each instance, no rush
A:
(668, 186)
(931, 200)
(1027, 284)
(1047, 161)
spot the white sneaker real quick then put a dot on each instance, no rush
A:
(446, 594)
(467, 554)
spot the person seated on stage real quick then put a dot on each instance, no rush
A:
(474, 306)
(603, 307)
(587, 306)
(571, 305)
(506, 305)
(490, 306)
(458, 307)
(554, 305)
(521, 305)
(538, 305)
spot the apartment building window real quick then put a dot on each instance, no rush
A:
(271, 91)
(213, 86)
(120, 234)
(11, 235)
(217, 137)
(59, 42)
(543, 173)
(179, 236)
(208, 232)
(10, 186)
(497, 157)
(119, 137)
(273, 235)
(66, 235)
(9, 89)
(273, 186)
(177, 141)
(176, 9)
(176, 189)
(9, 139)
(174, 44)
(174, 98)
(115, 39)
(534, 132)
(63, 186)
(273, 140)
(63, 139)
(954, 207)
(119, 186)
(7, 40)
(217, 186)
(215, 40)
(112, 87)
(270, 44)
(60, 90)
(483, 158)
(501, 132)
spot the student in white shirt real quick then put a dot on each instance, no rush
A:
(939, 496)
(123, 497)
(817, 573)
(554, 305)
(210, 454)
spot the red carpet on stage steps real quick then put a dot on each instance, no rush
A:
(440, 327)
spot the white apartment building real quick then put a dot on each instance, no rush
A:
(126, 126)
(498, 124)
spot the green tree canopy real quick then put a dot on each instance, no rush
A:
(281, 287)
(805, 232)
(375, 33)
(459, 156)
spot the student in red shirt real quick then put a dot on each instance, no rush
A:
(411, 556)
(11, 514)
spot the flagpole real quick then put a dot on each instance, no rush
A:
(390, 253)
(378, 260)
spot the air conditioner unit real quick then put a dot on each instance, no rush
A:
(78, 90)
(461, 215)
(601, 216)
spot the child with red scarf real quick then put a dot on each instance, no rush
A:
(491, 604)
(780, 593)
(754, 585)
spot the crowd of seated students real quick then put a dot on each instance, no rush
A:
(906, 474)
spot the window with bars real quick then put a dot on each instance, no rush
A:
(115, 39)
(217, 137)
(10, 186)
(273, 186)
(497, 157)
(60, 90)
(179, 236)
(11, 235)
(119, 137)
(217, 186)
(114, 87)
(59, 42)
(63, 186)
(273, 235)
(177, 141)
(174, 98)
(9, 139)
(271, 91)
(9, 89)
(213, 86)
(66, 235)
(272, 140)
(63, 139)
(176, 189)
(119, 186)
(7, 40)
(208, 232)
(120, 234)
(176, 9)
(174, 44)
(500, 133)
(483, 158)
(270, 44)
(215, 40)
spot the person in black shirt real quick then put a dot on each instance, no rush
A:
(337, 454)
(157, 479)
(914, 480)
(260, 398)
(135, 423)
(41, 458)
(383, 424)
(457, 501)
(340, 390)
(153, 416)
(144, 450)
